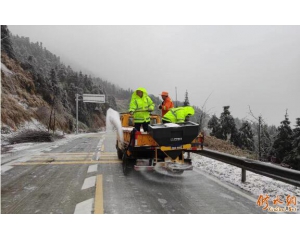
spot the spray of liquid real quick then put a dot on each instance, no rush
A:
(113, 122)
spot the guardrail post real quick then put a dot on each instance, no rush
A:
(243, 175)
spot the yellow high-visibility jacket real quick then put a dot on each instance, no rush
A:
(141, 106)
(178, 115)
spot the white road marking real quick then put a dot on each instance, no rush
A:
(97, 156)
(84, 207)
(93, 168)
(98, 149)
(89, 182)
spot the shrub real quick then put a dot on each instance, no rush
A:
(31, 136)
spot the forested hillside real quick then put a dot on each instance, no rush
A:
(39, 85)
(55, 85)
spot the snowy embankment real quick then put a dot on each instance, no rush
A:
(255, 184)
(22, 152)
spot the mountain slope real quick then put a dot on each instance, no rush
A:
(19, 101)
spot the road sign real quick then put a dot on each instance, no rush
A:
(95, 98)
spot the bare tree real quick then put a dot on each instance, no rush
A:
(264, 140)
(204, 114)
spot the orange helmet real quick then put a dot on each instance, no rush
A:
(164, 94)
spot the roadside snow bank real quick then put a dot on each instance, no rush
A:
(255, 183)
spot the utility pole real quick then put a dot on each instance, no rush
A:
(76, 113)
(176, 96)
(259, 138)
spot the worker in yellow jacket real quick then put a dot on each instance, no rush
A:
(140, 106)
(178, 115)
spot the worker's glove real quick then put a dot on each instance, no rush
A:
(160, 107)
(131, 112)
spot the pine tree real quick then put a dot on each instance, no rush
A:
(235, 138)
(6, 44)
(227, 123)
(293, 157)
(186, 99)
(282, 144)
(214, 124)
(246, 136)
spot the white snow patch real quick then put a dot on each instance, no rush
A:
(6, 71)
(24, 105)
(162, 201)
(27, 125)
(32, 125)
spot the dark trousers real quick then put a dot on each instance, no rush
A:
(137, 126)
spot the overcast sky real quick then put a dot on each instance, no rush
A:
(240, 66)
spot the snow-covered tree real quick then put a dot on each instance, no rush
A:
(246, 136)
(6, 44)
(227, 123)
(214, 125)
(186, 99)
(267, 137)
(292, 158)
(283, 144)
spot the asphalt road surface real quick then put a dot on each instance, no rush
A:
(84, 176)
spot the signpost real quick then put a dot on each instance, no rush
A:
(93, 98)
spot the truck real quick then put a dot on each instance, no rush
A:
(162, 147)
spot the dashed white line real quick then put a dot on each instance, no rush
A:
(89, 182)
(84, 207)
(93, 168)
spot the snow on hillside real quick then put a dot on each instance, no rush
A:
(6, 71)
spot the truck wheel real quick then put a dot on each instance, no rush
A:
(119, 153)
(125, 163)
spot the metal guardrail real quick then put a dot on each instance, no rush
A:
(286, 175)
